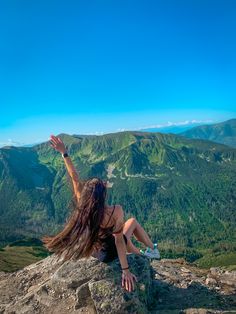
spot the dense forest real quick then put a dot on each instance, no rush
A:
(223, 132)
(182, 190)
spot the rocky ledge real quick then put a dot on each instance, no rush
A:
(89, 286)
(182, 288)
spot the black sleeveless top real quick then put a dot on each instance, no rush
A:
(107, 251)
(108, 230)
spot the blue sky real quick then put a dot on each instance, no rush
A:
(102, 66)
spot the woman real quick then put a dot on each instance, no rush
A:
(95, 228)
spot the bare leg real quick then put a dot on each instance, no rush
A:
(132, 227)
(131, 248)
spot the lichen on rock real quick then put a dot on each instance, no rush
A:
(90, 286)
(81, 286)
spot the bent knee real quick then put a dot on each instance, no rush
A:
(132, 220)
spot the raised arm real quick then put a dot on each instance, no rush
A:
(58, 145)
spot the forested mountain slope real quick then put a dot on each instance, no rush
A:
(182, 190)
(224, 132)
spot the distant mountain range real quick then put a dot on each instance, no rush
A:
(224, 132)
(182, 190)
(175, 128)
(17, 144)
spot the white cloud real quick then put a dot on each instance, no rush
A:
(94, 133)
(156, 126)
(169, 123)
(121, 130)
(10, 142)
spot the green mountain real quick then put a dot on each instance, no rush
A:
(183, 191)
(224, 132)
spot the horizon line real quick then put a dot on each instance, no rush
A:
(169, 124)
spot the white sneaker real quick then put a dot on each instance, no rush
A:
(151, 253)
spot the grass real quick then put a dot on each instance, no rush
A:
(13, 258)
(26, 251)
(226, 260)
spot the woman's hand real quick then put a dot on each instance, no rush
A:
(128, 280)
(57, 144)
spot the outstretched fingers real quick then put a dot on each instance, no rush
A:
(128, 282)
(57, 144)
(54, 139)
(123, 281)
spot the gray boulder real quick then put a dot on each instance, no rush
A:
(81, 286)
(89, 286)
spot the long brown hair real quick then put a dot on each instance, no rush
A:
(80, 235)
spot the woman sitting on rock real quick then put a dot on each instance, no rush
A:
(95, 228)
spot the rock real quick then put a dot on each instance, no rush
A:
(200, 311)
(225, 279)
(185, 270)
(211, 281)
(184, 288)
(82, 286)
(89, 286)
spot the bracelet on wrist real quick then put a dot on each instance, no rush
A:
(125, 268)
(65, 155)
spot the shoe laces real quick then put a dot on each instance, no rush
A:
(149, 250)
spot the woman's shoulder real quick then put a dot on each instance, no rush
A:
(118, 210)
(111, 214)
(112, 208)
(115, 210)
(118, 220)
(108, 219)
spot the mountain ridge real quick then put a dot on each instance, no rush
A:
(223, 132)
(161, 179)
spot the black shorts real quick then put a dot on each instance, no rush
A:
(109, 252)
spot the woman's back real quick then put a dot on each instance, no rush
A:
(108, 220)
(111, 221)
